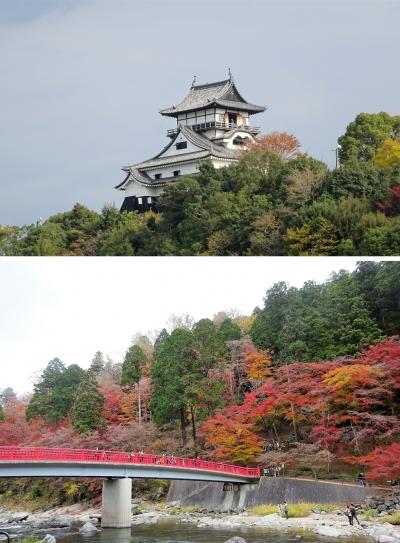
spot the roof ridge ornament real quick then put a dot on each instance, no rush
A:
(194, 81)
(230, 75)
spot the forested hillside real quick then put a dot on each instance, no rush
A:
(275, 201)
(311, 380)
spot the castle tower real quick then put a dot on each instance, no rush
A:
(212, 123)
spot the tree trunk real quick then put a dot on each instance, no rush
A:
(193, 428)
(183, 426)
(139, 404)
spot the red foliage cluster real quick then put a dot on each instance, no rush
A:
(344, 406)
(391, 205)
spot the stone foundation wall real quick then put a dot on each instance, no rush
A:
(212, 496)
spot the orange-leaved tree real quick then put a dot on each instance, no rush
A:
(228, 438)
(285, 145)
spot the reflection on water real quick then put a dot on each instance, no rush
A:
(170, 532)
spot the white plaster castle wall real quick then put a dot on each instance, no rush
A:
(173, 151)
(168, 171)
(136, 189)
(221, 163)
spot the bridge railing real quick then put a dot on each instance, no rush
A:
(37, 454)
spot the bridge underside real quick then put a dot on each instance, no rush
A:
(115, 471)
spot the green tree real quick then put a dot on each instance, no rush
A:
(379, 283)
(366, 134)
(228, 331)
(315, 237)
(358, 179)
(132, 369)
(54, 394)
(173, 368)
(316, 321)
(88, 410)
(126, 238)
(97, 365)
(349, 319)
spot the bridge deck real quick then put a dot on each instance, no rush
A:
(46, 462)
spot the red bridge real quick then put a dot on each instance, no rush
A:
(117, 469)
(43, 462)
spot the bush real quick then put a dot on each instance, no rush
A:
(296, 510)
(392, 519)
(370, 514)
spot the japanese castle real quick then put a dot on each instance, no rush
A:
(212, 123)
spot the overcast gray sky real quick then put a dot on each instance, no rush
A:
(82, 82)
(73, 307)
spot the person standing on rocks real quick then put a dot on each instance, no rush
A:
(349, 515)
(285, 509)
(353, 514)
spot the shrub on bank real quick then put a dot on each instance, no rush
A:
(392, 519)
(296, 510)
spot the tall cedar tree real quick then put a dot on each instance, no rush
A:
(97, 365)
(132, 369)
(88, 411)
(55, 393)
(175, 359)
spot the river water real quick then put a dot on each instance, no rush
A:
(171, 532)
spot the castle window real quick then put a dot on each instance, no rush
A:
(158, 176)
(139, 201)
(177, 172)
(181, 145)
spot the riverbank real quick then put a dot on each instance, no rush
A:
(84, 519)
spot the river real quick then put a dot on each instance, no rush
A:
(172, 532)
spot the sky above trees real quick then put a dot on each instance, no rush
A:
(83, 82)
(72, 308)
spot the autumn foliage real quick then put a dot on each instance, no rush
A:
(347, 407)
(285, 145)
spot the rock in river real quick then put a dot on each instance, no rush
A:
(87, 528)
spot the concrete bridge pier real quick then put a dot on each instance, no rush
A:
(116, 503)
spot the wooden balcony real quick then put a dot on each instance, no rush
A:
(217, 126)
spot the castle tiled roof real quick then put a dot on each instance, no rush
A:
(207, 149)
(222, 93)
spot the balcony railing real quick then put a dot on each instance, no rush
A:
(216, 125)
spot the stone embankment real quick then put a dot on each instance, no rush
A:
(387, 504)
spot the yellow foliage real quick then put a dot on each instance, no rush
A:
(388, 155)
(392, 519)
(296, 510)
(258, 365)
(71, 490)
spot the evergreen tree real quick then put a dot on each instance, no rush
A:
(54, 394)
(132, 368)
(228, 331)
(379, 283)
(97, 365)
(172, 372)
(88, 410)
(2, 414)
(349, 319)
(316, 321)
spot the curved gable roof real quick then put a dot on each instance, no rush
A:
(223, 93)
